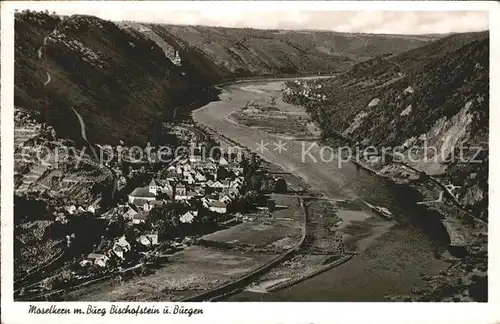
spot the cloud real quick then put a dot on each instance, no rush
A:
(387, 22)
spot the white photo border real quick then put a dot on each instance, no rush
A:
(254, 312)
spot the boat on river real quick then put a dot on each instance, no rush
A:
(381, 211)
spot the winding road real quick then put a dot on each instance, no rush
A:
(440, 199)
(80, 119)
(95, 155)
(48, 79)
(84, 135)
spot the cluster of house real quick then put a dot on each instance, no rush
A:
(74, 209)
(93, 208)
(216, 183)
(119, 250)
(302, 88)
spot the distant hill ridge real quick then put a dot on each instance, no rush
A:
(121, 77)
(439, 92)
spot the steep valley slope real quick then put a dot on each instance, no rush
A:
(433, 97)
(119, 81)
(428, 110)
(247, 52)
(122, 77)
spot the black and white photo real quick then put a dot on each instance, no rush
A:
(286, 155)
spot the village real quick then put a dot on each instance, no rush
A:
(192, 189)
(156, 209)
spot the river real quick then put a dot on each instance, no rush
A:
(390, 261)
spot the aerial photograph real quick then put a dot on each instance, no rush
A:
(335, 156)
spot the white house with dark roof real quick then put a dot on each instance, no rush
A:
(236, 183)
(189, 178)
(129, 215)
(188, 217)
(180, 192)
(200, 177)
(144, 193)
(217, 206)
(98, 259)
(121, 246)
(173, 177)
(187, 167)
(217, 185)
(148, 239)
(200, 190)
(177, 59)
(195, 158)
(225, 198)
(209, 167)
(140, 217)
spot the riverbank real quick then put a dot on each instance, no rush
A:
(323, 240)
(184, 111)
(387, 249)
(466, 277)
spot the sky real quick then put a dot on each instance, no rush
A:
(387, 22)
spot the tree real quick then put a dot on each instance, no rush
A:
(271, 204)
(105, 245)
(163, 196)
(131, 234)
(247, 202)
(174, 221)
(267, 185)
(205, 219)
(212, 149)
(116, 226)
(165, 218)
(125, 169)
(273, 101)
(223, 173)
(255, 182)
(280, 186)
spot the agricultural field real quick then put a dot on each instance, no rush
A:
(273, 115)
(31, 247)
(281, 229)
(189, 272)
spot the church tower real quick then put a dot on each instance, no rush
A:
(177, 59)
(153, 187)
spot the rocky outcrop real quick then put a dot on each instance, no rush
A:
(430, 103)
(433, 112)
(255, 52)
(119, 81)
(122, 78)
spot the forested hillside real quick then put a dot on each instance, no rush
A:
(118, 80)
(256, 52)
(123, 77)
(435, 96)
